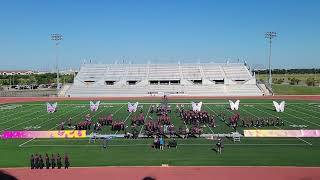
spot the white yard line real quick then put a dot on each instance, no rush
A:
(30, 108)
(118, 111)
(20, 145)
(31, 120)
(270, 114)
(145, 118)
(282, 129)
(318, 112)
(148, 145)
(23, 115)
(172, 103)
(58, 125)
(210, 128)
(125, 119)
(209, 118)
(141, 139)
(181, 118)
(301, 119)
(124, 122)
(211, 110)
(303, 113)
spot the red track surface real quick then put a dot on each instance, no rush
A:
(31, 99)
(170, 173)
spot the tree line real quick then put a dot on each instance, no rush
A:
(313, 80)
(289, 71)
(48, 78)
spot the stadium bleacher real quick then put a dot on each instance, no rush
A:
(211, 79)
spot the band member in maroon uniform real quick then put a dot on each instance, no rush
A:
(69, 122)
(53, 161)
(36, 161)
(32, 161)
(47, 161)
(66, 161)
(62, 126)
(59, 163)
(41, 162)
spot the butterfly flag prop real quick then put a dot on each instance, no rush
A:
(196, 106)
(51, 108)
(279, 107)
(132, 107)
(94, 106)
(234, 105)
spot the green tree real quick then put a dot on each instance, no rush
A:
(22, 81)
(294, 80)
(311, 81)
(33, 80)
(277, 81)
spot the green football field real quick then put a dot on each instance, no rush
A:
(138, 152)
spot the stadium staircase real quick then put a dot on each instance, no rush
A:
(267, 91)
(63, 90)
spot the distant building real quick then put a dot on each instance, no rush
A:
(16, 72)
(68, 72)
(28, 72)
(42, 72)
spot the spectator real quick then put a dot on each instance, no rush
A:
(172, 143)
(219, 146)
(161, 141)
(155, 142)
(6, 176)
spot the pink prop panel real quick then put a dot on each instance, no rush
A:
(282, 133)
(43, 134)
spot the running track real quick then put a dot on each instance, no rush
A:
(170, 173)
(32, 99)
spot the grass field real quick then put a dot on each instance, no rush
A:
(194, 151)
(302, 77)
(281, 89)
(286, 89)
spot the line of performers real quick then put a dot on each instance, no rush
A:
(197, 118)
(108, 121)
(261, 122)
(38, 162)
(86, 124)
(235, 121)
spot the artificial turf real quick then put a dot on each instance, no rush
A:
(194, 151)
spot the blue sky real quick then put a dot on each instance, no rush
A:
(158, 31)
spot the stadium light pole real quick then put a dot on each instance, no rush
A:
(57, 38)
(269, 36)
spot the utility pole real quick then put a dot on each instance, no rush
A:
(269, 36)
(57, 38)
